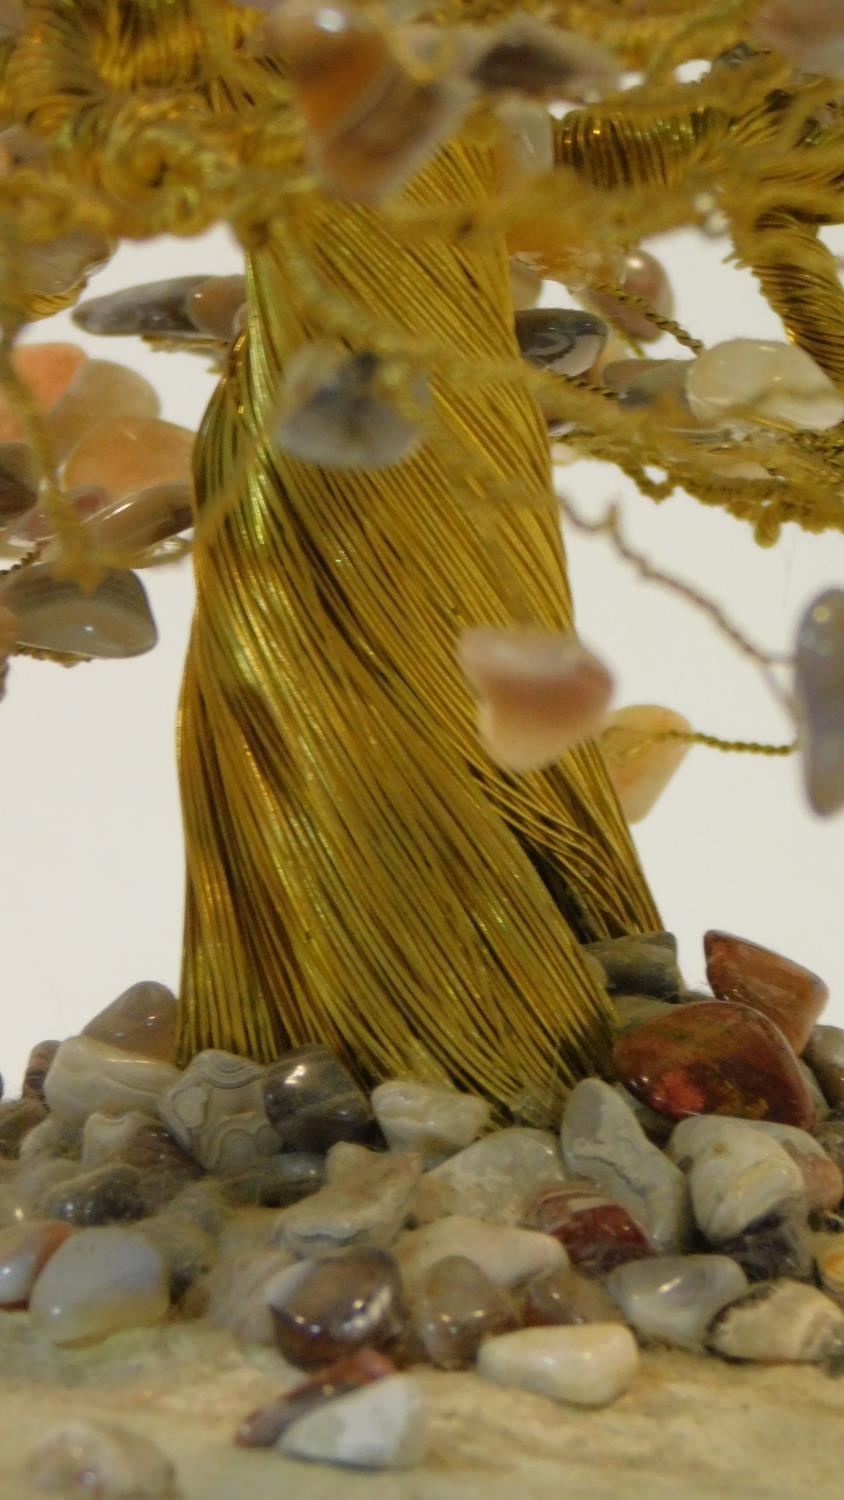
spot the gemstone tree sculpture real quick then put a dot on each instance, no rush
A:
(375, 860)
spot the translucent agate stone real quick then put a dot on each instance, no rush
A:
(562, 340)
(567, 1297)
(213, 305)
(371, 122)
(526, 148)
(264, 1427)
(55, 267)
(819, 700)
(538, 693)
(128, 454)
(142, 520)
(642, 276)
(457, 1306)
(157, 309)
(38, 525)
(336, 410)
(141, 1020)
(779, 1321)
(639, 762)
(597, 1233)
(329, 1308)
(673, 1298)
(524, 56)
(746, 380)
(99, 391)
(114, 620)
(789, 995)
(98, 1282)
(25, 1249)
(312, 1101)
(46, 370)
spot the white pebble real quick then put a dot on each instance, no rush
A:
(742, 381)
(588, 1364)
(97, 1283)
(86, 1075)
(382, 1426)
(739, 1177)
(673, 1298)
(435, 1122)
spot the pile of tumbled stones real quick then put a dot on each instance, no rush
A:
(693, 1200)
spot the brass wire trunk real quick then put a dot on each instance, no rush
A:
(358, 872)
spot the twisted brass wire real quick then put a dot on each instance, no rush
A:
(333, 785)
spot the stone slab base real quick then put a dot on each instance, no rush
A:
(689, 1429)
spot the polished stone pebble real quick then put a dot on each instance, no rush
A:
(740, 1177)
(825, 1056)
(714, 1057)
(789, 995)
(436, 1122)
(566, 1297)
(142, 1020)
(457, 1306)
(494, 1178)
(264, 1427)
(99, 1282)
(312, 1101)
(215, 1110)
(597, 1233)
(366, 1200)
(111, 1194)
(589, 1364)
(672, 1299)
(779, 1320)
(603, 1140)
(86, 1076)
(323, 1310)
(644, 964)
(383, 1425)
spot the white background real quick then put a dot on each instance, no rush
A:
(91, 866)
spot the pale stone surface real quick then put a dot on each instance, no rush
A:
(127, 454)
(780, 1320)
(640, 757)
(215, 1109)
(673, 1297)
(822, 1178)
(99, 1282)
(335, 413)
(188, 1387)
(365, 1201)
(87, 1075)
(538, 693)
(739, 1177)
(100, 389)
(112, 621)
(742, 381)
(493, 1179)
(141, 1020)
(588, 1364)
(382, 1426)
(603, 1140)
(507, 1256)
(436, 1122)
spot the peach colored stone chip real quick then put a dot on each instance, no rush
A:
(538, 693)
(46, 370)
(128, 454)
(641, 764)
